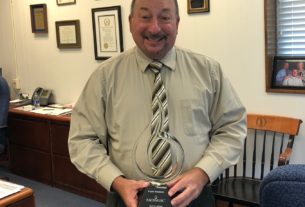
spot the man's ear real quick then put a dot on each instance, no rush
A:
(177, 24)
(129, 20)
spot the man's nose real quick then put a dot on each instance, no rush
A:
(154, 26)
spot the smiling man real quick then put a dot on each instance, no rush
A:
(116, 107)
(154, 27)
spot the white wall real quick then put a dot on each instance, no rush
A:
(232, 32)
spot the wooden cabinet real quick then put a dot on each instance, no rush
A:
(30, 153)
(39, 150)
(62, 166)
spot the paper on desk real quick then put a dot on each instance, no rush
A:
(7, 188)
(25, 108)
(51, 111)
(16, 101)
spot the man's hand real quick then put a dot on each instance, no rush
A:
(128, 190)
(188, 186)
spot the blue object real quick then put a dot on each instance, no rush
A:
(284, 186)
(4, 106)
(36, 101)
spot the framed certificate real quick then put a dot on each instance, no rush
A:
(39, 18)
(198, 6)
(107, 32)
(65, 2)
(68, 34)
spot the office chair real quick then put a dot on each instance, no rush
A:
(284, 186)
(268, 144)
(4, 106)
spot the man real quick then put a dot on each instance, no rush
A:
(282, 73)
(205, 114)
(301, 71)
(294, 79)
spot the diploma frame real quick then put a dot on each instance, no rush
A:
(65, 2)
(198, 6)
(68, 34)
(39, 20)
(107, 32)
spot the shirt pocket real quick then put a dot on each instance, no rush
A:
(196, 122)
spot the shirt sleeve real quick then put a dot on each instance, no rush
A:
(88, 133)
(228, 119)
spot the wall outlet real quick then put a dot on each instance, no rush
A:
(16, 83)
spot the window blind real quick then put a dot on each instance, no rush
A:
(290, 27)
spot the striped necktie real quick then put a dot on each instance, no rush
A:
(161, 155)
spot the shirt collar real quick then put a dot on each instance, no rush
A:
(169, 60)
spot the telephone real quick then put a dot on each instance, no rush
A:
(44, 95)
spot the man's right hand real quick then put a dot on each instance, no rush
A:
(128, 189)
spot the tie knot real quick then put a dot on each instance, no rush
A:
(155, 66)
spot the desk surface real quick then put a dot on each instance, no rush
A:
(18, 197)
(60, 118)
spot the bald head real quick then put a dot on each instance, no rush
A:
(134, 1)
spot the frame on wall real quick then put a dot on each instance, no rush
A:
(107, 32)
(198, 6)
(39, 20)
(68, 34)
(287, 75)
(65, 2)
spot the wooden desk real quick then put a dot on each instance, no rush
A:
(24, 198)
(39, 151)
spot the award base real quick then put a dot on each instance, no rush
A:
(154, 196)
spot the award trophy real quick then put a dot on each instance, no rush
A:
(158, 155)
(144, 152)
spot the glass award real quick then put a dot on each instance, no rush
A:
(144, 155)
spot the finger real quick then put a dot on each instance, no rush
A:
(173, 182)
(142, 184)
(182, 199)
(176, 188)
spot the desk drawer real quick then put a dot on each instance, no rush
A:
(66, 176)
(30, 163)
(59, 136)
(29, 133)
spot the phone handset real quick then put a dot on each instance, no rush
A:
(43, 95)
(37, 91)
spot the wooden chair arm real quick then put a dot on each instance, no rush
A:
(285, 157)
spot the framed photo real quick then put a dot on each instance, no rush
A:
(39, 20)
(198, 6)
(107, 32)
(68, 34)
(65, 2)
(288, 74)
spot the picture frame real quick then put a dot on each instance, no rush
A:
(39, 19)
(65, 2)
(107, 32)
(68, 34)
(198, 6)
(287, 75)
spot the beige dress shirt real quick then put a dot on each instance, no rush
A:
(205, 115)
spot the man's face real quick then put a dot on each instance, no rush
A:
(286, 66)
(154, 25)
(294, 72)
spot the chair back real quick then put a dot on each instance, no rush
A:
(284, 186)
(268, 144)
(4, 106)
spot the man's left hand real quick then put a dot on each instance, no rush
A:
(187, 186)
